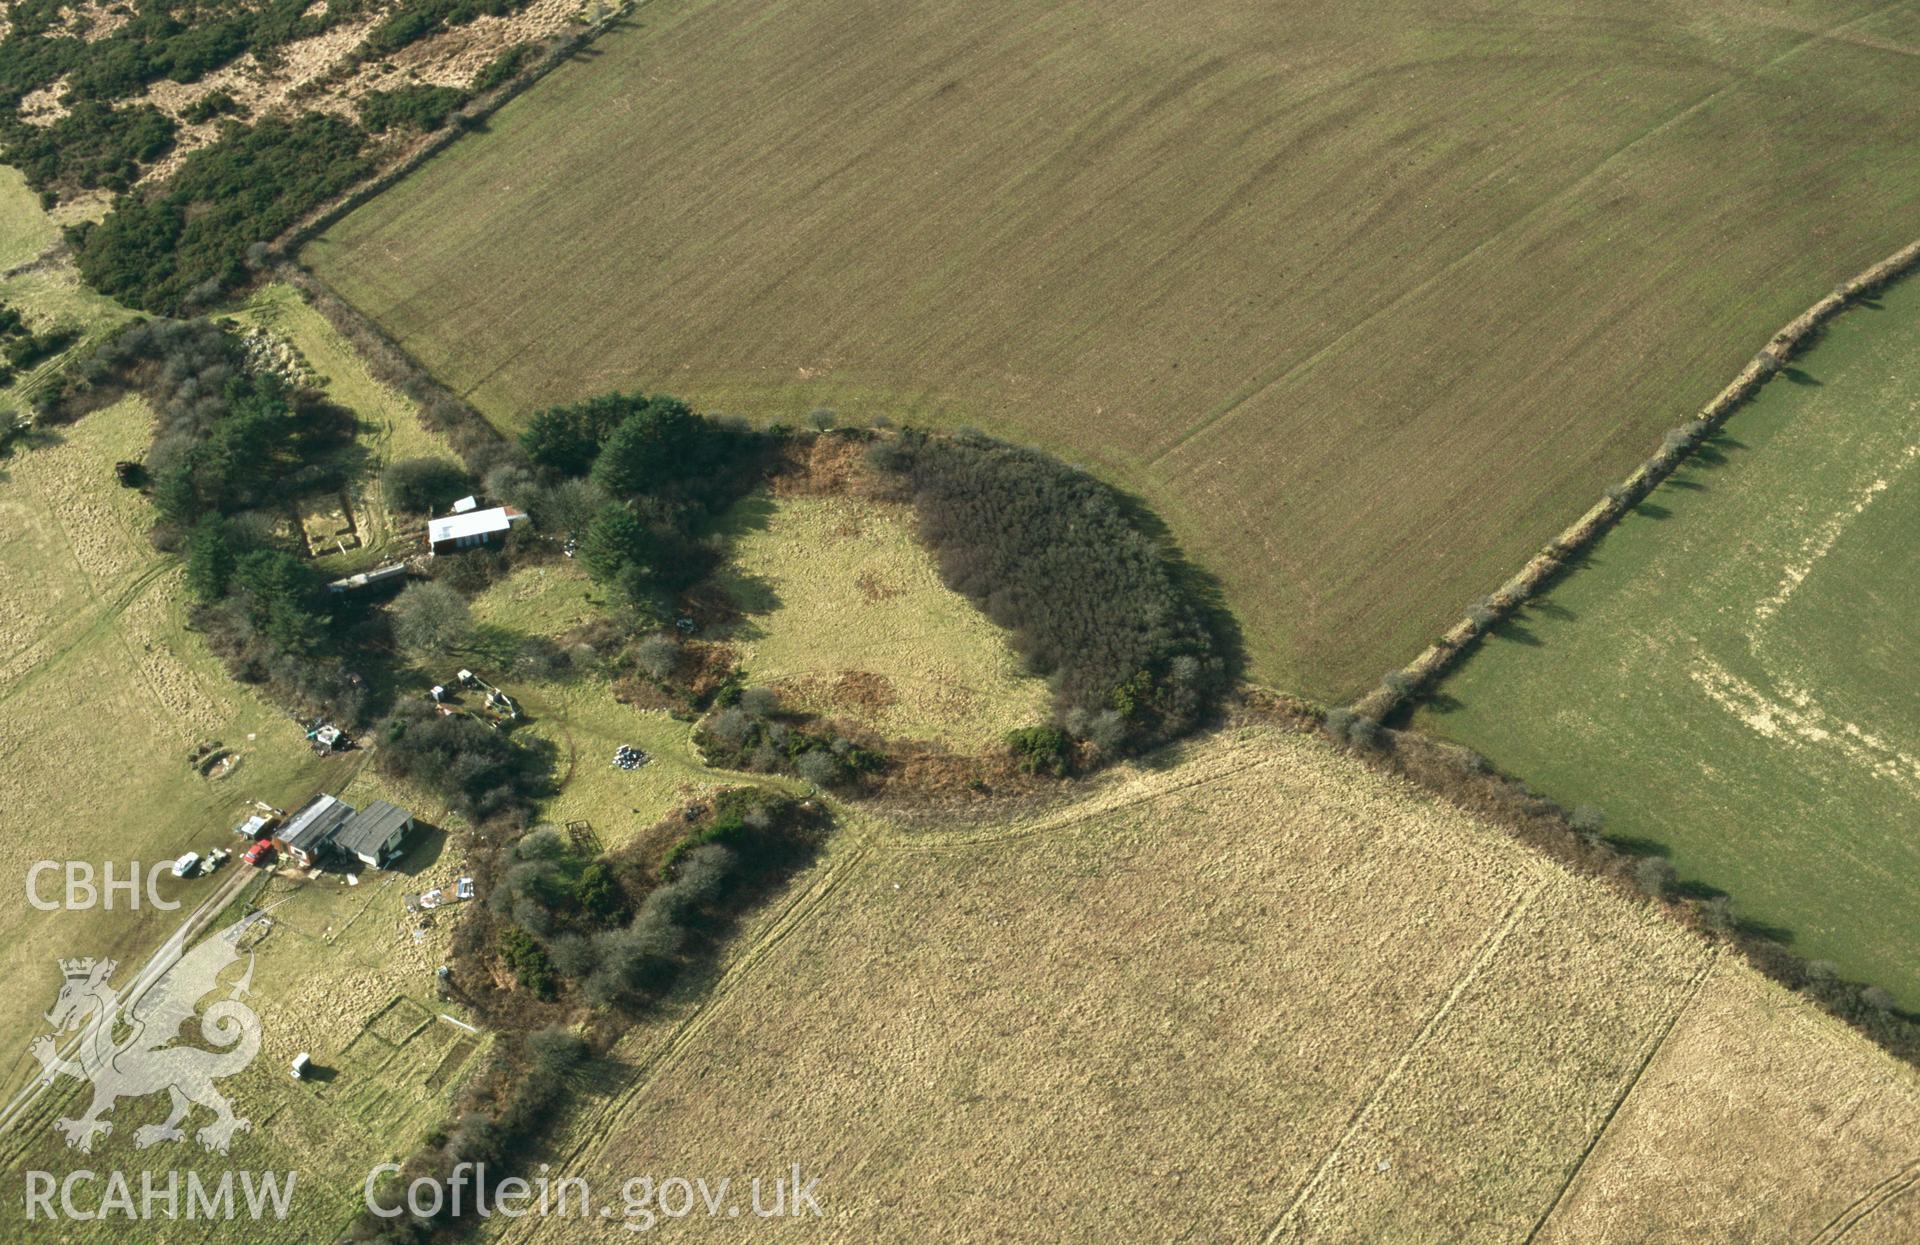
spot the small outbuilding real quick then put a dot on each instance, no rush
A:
(375, 835)
(471, 529)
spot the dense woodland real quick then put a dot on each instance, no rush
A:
(641, 478)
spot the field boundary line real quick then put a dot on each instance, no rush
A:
(1095, 807)
(648, 1069)
(1434, 662)
(1483, 955)
(1694, 989)
(560, 50)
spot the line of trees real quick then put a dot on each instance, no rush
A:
(228, 440)
(613, 933)
(1093, 600)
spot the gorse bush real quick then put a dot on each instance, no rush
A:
(501, 69)
(417, 107)
(414, 20)
(1052, 554)
(1040, 749)
(48, 43)
(94, 145)
(186, 244)
(420, 485)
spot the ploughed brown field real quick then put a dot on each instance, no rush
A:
(1366, 301)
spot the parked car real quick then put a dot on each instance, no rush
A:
(260, 853)
(187, 865)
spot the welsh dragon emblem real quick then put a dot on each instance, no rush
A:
(127, 1039)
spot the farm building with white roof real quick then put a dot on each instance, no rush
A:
(471, 529)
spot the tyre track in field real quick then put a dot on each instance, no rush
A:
(1099, 804)
(107, 616)
(594, 1131)
(1485, 954)
(1863, 1207)
(1694, 989)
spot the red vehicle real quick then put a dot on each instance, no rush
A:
(259, 853)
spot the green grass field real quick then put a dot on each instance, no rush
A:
(1366, 302)
(37, 278)
(1730, 674)
(847, 617)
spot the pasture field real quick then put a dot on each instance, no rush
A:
(586, 723)
(1729, 674)
(1366, 302)
(105, 691)
(847, 617)
(1252, 993)
(37, 277)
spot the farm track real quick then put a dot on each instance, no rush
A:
(1869, 1203)
(1694, 990)
(34, 1104)
(1484, 954)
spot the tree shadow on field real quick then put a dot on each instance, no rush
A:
(1194, 582)
(1652, 510)
(1765, 929)
(1799, 376)
(1682, 482)
(1512, 629)
(1713, 451)
(1552, 609)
